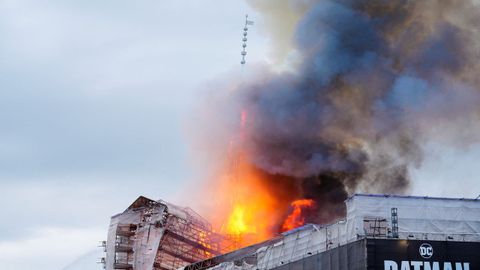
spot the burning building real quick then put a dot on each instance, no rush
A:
(370, 85)
(378, 232)
(158, 235)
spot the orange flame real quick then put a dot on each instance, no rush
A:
(296, 218)
(237, 223)
(247, 209)
(251, 210)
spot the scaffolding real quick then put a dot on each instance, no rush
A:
(394, 218)
(155, 235)
(124, 241)
(188, 240)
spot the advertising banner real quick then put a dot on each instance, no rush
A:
(383, 254)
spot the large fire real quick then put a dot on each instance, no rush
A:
(250, 210)
(256, 214)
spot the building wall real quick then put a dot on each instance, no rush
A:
(390, 254)
(348, 257)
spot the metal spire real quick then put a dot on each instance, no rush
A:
(244, 44)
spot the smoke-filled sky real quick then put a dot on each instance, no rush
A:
(97, 97)
(369, 86)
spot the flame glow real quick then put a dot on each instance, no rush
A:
(297, 218)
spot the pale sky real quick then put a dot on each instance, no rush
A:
(95, 97)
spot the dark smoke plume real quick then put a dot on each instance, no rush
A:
(375, 79)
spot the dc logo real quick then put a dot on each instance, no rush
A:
(426, 251)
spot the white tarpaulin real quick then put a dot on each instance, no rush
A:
(420, 217)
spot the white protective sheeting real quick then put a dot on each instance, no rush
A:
(420, 217)
(145, 243)
(295, 245)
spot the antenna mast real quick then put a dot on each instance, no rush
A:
(244, 44)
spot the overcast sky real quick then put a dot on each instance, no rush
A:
(94, 99)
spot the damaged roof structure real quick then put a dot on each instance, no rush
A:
(158, 235)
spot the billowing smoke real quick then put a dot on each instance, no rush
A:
(374, 81)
